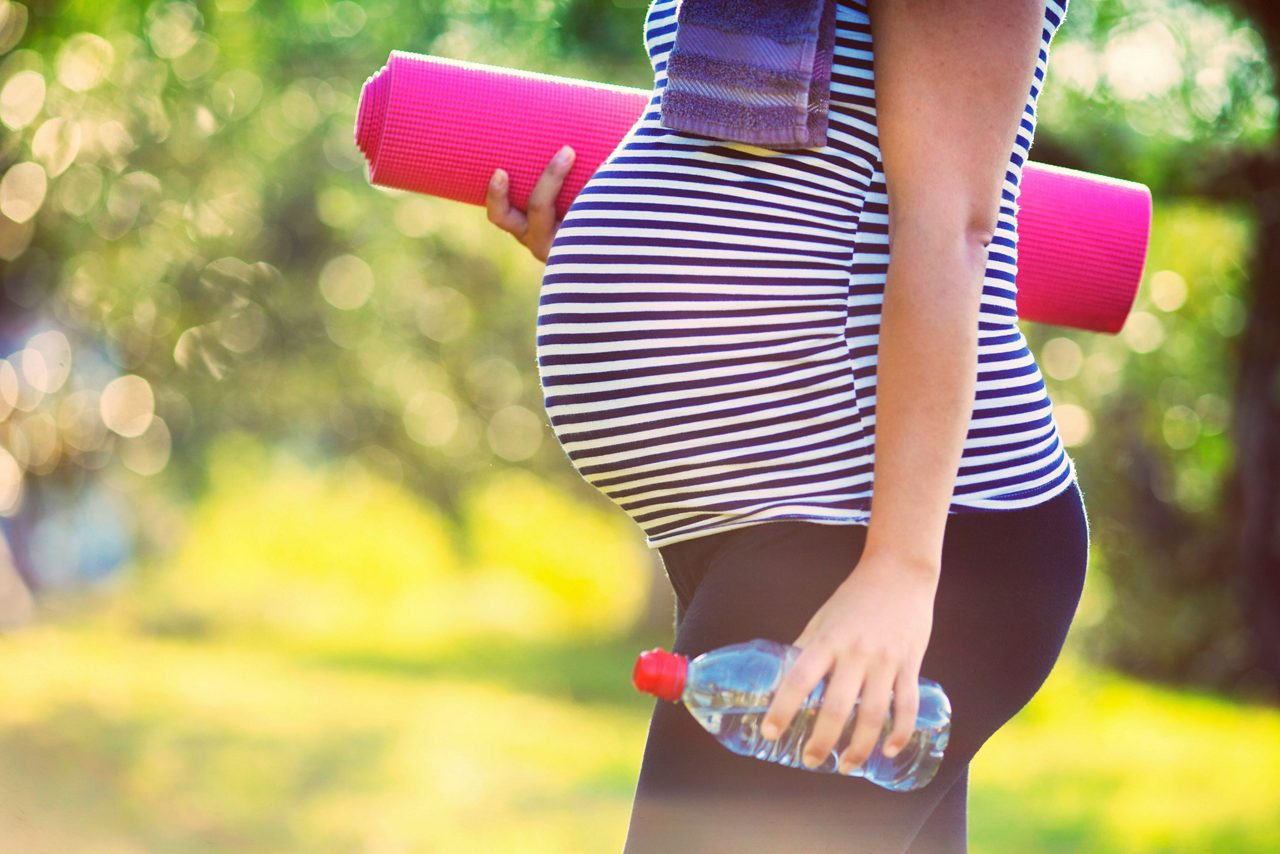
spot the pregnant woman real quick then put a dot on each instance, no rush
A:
(799, 371)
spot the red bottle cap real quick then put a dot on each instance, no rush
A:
(661, 673)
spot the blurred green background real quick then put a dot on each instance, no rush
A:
(294, 563)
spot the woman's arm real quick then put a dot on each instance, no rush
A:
(952, 79)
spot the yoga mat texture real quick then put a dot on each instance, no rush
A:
(440, 126)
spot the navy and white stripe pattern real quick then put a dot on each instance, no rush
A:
(709, 318)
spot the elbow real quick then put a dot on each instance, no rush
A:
(976, 236)
(980, 226)
(975, 230)
(976, 242)
(938, 238)
(980, 233)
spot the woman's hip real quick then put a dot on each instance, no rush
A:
(1008, 591)
(1020, 560)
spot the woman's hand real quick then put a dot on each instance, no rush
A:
(536, 229)
(874, 629)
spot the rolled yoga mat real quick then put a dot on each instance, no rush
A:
(441, 126)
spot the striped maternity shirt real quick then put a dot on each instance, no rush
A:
(709, 317)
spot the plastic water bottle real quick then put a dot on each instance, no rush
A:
(728, 690)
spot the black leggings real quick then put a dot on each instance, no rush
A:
(1010, 584)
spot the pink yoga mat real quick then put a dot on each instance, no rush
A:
(440, 126)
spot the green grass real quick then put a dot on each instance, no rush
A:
(115, 740)
(160, 744)
(246, 697)
(1098, 762)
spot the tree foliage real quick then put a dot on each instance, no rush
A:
(182, 199)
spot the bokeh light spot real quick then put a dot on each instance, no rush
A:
(56, 144)
(346, 19)
(127, 405)
(1062, 358)
(226, 275)
(1142, 331)
(495, 382)
(79, 420)
(514, 433)
(193, 347)
(22, 191)
(415, 216)
(21, 99)
(236, 93)
(148, 453)
(1214, 412)
(172, 29)
(55, 359)
(39, 441)
(18, 392)
(337, 207)
(346, 282)
(13, 23)
(33, 368)
(9, 388)
(84, 61)
(1168, 290)
(1075, 424)
(79, 189)
(443, 314)
(11, 483)
(242, 331)
(431, 418)
(1143, 61)
(15, 237)
(1181, 427)
(197, 61)
(299, 108)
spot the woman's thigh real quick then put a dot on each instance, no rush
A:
(1008, 590)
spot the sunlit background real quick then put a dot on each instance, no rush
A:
(290, 560)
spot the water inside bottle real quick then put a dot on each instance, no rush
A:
(739, 730)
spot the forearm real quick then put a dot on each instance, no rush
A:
(925, 388)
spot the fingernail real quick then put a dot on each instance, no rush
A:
(499, 178)
(811, 761)
(891, 751)
(769, 731)
(564, 155)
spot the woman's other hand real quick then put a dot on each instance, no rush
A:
(537, 228)
(874, 629)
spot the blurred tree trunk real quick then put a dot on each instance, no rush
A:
(1255, 485)
(1254, 488)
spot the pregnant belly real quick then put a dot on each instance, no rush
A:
(670, 272)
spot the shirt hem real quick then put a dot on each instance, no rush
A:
(862, 517)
